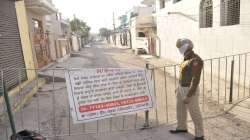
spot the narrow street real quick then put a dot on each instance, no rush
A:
(48, 111)
(99, 54)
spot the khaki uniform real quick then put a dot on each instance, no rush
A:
(190, 72)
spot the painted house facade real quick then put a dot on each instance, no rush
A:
(50, 33)
(39, 29)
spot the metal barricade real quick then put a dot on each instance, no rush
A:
(46, 108)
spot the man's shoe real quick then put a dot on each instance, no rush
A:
(199, 138)
(178, 131)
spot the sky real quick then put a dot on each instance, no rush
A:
(97, 13)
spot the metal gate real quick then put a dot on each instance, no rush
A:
(11, 55)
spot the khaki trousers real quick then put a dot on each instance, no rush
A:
(194, 110)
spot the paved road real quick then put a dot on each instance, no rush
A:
(99, 55)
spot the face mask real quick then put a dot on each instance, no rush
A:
(183, 49)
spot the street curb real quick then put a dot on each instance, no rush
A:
(64, 58)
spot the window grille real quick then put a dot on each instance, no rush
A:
(141, 34)
(162, 4)
(206, 14)
(230, 12)
(175, 1)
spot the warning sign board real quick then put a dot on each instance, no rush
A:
(103, 93)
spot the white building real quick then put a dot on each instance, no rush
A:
(217, 27)
(143, 27)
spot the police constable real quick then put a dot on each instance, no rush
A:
(188, 90)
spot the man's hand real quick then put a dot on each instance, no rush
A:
(186, 100)
(176, 90)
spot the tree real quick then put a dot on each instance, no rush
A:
(105, 33)
(80, 27)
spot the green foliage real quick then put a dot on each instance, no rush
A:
(104, 32)
(80, 27)
(124, 20)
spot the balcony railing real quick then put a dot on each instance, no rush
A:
(145, 21)
(148, 2)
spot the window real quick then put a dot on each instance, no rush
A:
(141, 34)
(175, 1)
(37, 26)
(132, 14)
(230, 12)
(206, 14)
(162, 4)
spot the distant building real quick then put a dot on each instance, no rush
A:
(143, 27)
(60, 30)
(121, 35)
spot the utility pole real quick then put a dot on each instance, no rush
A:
(114, 36)
(76, 24)
(114, 20)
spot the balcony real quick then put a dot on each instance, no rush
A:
(65, 22)
(41, 7)
(145, 21)
(148, 2)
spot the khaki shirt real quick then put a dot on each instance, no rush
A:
(190, 71)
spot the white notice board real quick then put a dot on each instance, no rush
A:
(100, 93)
